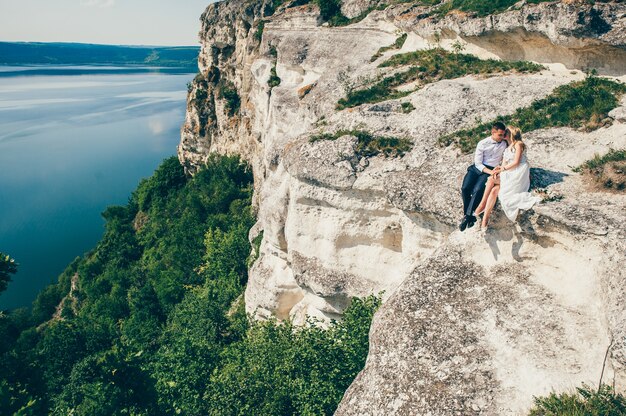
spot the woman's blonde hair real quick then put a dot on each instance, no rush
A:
(516, 136)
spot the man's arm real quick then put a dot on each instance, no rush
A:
(478, 158)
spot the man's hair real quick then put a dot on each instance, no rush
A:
(498, 125)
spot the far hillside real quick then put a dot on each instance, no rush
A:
(20, 53)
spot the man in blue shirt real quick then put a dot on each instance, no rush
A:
(487, 157)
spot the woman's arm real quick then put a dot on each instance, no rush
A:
(519, 149)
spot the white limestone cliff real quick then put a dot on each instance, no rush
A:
(470, 324)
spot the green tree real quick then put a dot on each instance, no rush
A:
(107, 383)
(189, 352)
(7, 268)
(154, 321)
(281, 369)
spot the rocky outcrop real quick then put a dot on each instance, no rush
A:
(577, 36)
(228, 48)
(236, 54)
(470, 323)
(475, 331)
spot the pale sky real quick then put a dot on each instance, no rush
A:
(122, 22)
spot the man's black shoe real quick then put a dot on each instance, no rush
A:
(471, 221)
(464, 223)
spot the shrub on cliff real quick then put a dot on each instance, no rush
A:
(608, 170)
(167, 178)
(228, 93)
(329, 9)
(274, 80)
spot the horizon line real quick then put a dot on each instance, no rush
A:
(100, 44)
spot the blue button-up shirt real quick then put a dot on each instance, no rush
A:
(489, 152)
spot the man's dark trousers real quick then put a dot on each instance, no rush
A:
(473, 188)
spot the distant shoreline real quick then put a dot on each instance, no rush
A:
(27, 42)
(57, 53)
(95, 69)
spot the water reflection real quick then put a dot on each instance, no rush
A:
(70, 146)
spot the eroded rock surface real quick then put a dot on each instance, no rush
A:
(475, 331)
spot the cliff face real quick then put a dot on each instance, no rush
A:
(471, 324)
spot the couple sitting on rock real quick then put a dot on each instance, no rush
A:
(500, 171)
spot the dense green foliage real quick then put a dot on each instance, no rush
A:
(369, 145)
(151, 321)
(585, 402)
(282, 370)
(330, 9)
(425, 67)
(582, 104)
(128, 288)
(609, 170)
(7, 268)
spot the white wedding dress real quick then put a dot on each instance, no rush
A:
(514, 185)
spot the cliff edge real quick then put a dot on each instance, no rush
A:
(357, 193)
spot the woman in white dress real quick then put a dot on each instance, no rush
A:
(510, 183)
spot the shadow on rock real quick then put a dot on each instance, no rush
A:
(516, 233)
(542, 178)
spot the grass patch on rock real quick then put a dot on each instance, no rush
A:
(447, 64)
(258, 33)
(407, 107)
(582, 104)
(228, 93)
(399, 42)
(428, 66)
(608, 170)
(480, 8)
(586, 401)
(369, 145)
(274, 80)
(256, 249)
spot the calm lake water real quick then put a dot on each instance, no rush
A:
(71, 144)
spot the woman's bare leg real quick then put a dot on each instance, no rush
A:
(483, 202)
(491, 202)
